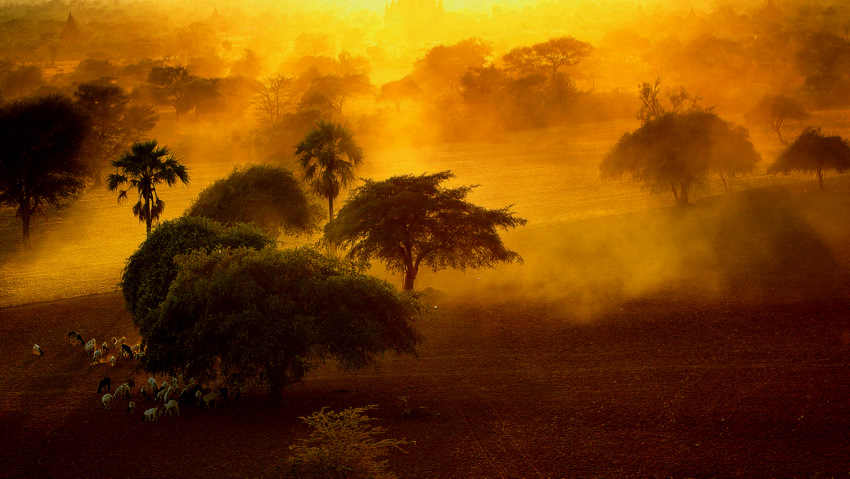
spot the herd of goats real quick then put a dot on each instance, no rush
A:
(165, 392)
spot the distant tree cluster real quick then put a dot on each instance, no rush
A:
(814, 152)
(268, 196)
(676, 151)
(530, 87)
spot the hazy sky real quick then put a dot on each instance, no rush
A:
(447, 4)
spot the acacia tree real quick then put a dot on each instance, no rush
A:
(561, 51)
(142, 168)
(548, 56)
(813, 152)
(268, 196)
(270, 316)
(678, 150)
(775, 110)
(399, 90)
(329, 93)
(328, 155)
(409, 221)
(168, 85)
(40, 162)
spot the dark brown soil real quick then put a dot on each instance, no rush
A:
(673, 382)
(514, 389)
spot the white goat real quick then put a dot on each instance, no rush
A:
(104, 347)
(107, 401)
(168, 393)
(211, 398)
(112, 360)
(96, 357)
(150, 415)
(152, 384)
(172, 404)
(90, 346)
(116, 343)
(164, 394)
(122, 391)
(37, 350)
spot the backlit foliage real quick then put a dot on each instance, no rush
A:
(343, 445)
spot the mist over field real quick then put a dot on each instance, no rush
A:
(660, 187)
(426, 87)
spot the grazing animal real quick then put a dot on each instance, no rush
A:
(74, 338)
(126, 351)
(90, 346)
(172, 404)
(131, 407)
(104, 347)
(144, 395)
(118, 342)
(122, 391)
(107, 401)
(152, 384)
(211, 398)
(104, 383)
(160, 395)
(96, 357)
(168, 393)
(150, 415)
(37, 350)
(112, 361)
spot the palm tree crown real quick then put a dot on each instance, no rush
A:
(328, 155)
(142, 168)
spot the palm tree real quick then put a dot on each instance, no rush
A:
(328, 155)
(144, 166)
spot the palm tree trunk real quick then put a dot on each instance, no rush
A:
(147, 211)
(330, 209)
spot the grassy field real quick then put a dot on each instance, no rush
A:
(550, 177)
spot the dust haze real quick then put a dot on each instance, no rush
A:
(427, 86)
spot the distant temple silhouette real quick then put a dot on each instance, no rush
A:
(71, 33)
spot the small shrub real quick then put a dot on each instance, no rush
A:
(342, 446)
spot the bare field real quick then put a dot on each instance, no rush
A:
(721, 352)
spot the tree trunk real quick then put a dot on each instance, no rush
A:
(682, 197)
(409, 277)
(98, 177)
(276, 391)
(25, 219)
(147, 212)
(330, 209)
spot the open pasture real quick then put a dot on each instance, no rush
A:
(732, 364)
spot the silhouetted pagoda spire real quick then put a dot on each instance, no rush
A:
(70, 34)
